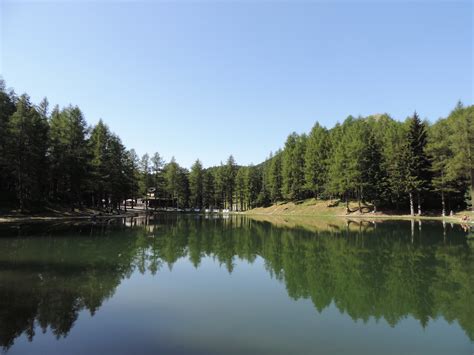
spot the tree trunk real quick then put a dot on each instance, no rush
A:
(472, 190)
(360, 196)
(412, 209)
(419, 203)
(443, 204)
(20, 191)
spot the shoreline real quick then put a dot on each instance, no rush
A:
(449, 219)
(98, 215)
(334, 209)
(95, 215)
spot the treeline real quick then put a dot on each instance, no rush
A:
(382, 161)
(56, 158)
(376, 160)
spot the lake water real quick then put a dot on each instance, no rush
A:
(177, 284)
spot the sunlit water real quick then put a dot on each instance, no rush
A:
(193, 285)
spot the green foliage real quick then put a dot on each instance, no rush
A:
(133, 164)
(254, 187)
(374, 178)
(157, 178)
(461, 142)
(7, 181)
(58, 159)
(275, 177)
(293, 171)
(228, 178)
(208, 189)
(393, 153)
(196, 185)
(316, 160)
(68, 155)
(177, 184)
(113, 170)
(416, 159)
(26, 153)
(241, 186)
(348, 164)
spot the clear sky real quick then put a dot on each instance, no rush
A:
(208, 79)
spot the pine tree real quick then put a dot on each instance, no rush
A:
(183, 187)
(440, 154)
(219, 178)
(98, 142)
(293, 167)
(418, 176)
(316, 160)
(132, 167)
(240, 188)
(177, 184)
(158, 182)
(196, 182)
(346, 168)
(68, 155)
(27, 153)
(393, 156)
(263, 198)
(117, 185)
(373, 177)
(275, 177)
(7, 180)
(208, 193)
(253, 183)
(230, 171)
(461, 142)
(145, 182)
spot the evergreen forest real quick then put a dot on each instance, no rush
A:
(50, 156)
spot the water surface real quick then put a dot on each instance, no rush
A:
(177, 284)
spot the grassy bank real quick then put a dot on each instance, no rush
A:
(331, 208)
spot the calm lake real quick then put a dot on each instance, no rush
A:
(185, 284)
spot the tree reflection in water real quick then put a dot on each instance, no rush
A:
(51, 272)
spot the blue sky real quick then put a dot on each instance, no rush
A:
(208, 79)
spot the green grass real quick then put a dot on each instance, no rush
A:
(335, 208)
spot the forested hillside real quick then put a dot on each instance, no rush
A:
(53, 157)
